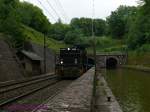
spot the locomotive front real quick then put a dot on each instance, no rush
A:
(71, 62)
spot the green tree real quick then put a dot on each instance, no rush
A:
(85, 26)
(100, 27)
(15, 14)
(73, 37)
(117, 21)
(8, 17)
(33, 16)
(82, 24)
(59, 30)
(10, 21)
(140, 29)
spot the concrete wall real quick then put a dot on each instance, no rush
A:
(32, 68)
(9, 68)
(102, 59)
(28, 67)
(39, 50)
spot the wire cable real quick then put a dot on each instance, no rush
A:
(46, 10)
(50, 5)
(64, 14)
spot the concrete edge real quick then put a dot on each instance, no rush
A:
(112, 105)
(140, 68)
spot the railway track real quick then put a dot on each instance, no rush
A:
(14, 90)
(37, 99)
(58, 88)
(13, 82)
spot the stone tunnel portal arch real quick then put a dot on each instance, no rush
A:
(111, 63)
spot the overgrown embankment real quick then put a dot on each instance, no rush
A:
(9, 67)
(38, 38)
(140, 61)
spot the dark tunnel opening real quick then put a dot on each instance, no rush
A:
(111, 63)
(90, 63)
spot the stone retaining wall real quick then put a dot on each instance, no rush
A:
(9, 68)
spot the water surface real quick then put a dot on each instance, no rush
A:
(131, 88)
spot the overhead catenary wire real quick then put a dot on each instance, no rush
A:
(63, 12)
(47, 10)
(50, 5)
(44, 53)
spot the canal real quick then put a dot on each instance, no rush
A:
(131, 88)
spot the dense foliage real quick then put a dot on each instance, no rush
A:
(9, 20)
(85, 26)
(59, 30)
(33, 16)
(129, 24)
(118, 21)
(132, 24)
(13, 14)
(139, 34)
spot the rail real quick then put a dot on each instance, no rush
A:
(12, 82)
(27, 86)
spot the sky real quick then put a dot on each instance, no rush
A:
(68, 9)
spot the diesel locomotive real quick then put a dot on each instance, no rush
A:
(71, 62)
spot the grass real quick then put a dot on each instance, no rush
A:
(38, 38)
(107, 44)
(2, 36)
(142, 59)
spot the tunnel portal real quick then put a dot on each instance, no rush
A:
(111, 63)
(91, 63)
(108, 60)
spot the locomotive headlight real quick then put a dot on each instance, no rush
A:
(61, 62)
(68, 49)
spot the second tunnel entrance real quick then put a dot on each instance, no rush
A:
(111, 63)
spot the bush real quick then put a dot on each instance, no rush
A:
(72, 37)
(105, 42)
(144, 48)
